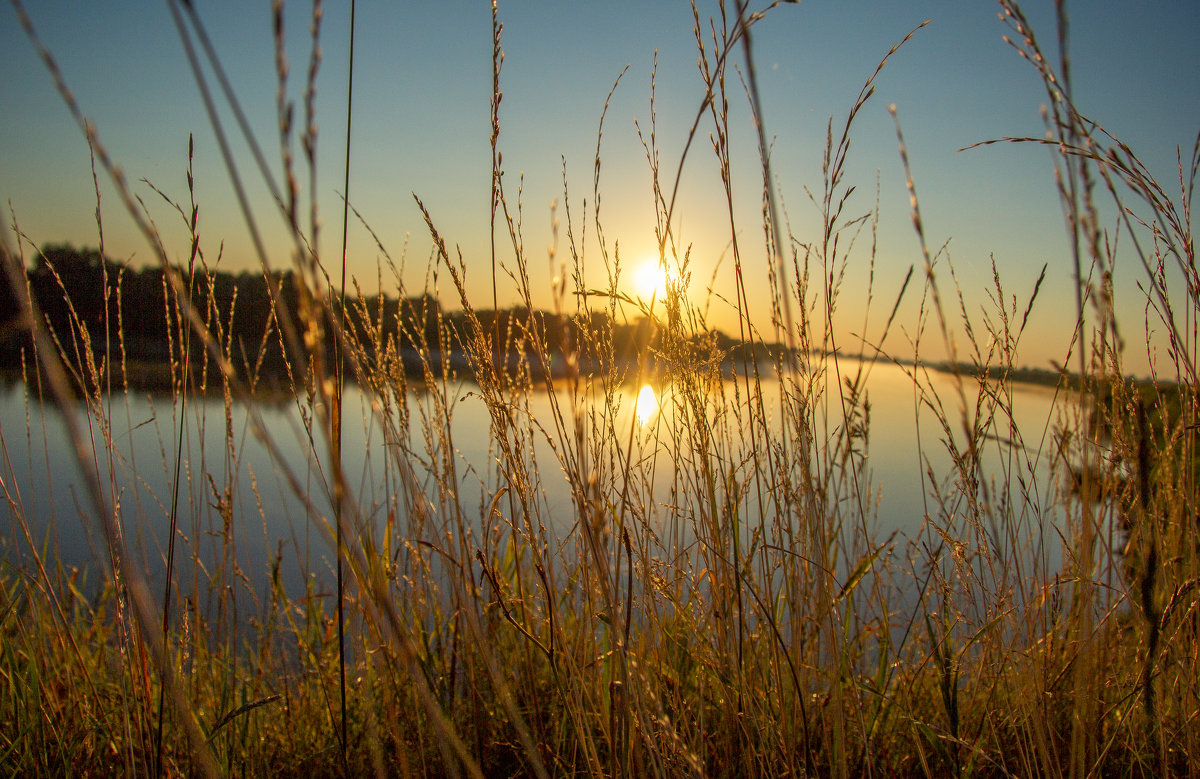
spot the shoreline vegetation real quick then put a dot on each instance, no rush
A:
(70, 286)
(737, 614)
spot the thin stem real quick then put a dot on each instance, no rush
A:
(339, 383)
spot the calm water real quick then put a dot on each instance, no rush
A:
(246, 511)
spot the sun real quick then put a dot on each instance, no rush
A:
(650, 280)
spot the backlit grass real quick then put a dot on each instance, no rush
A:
(718, 598)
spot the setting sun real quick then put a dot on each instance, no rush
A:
(650, 280)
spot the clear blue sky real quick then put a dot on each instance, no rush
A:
(422, 83)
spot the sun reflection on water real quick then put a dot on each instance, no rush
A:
(646, 406)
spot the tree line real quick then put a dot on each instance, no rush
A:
(94, 306)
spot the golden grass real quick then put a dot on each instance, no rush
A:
(748, 622)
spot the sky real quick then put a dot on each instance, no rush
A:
(422, 83)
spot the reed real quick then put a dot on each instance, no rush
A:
(715, 597)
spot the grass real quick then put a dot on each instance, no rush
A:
(745, 619)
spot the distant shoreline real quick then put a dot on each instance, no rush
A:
(159, 377)
(80, 293)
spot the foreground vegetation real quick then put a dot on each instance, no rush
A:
(746, 622)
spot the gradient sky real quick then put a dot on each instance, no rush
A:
(422, 85)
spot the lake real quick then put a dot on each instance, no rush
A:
(242, 510)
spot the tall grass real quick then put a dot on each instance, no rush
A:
(717, 599)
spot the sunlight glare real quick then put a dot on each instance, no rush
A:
(646, 406)
(650, 281)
